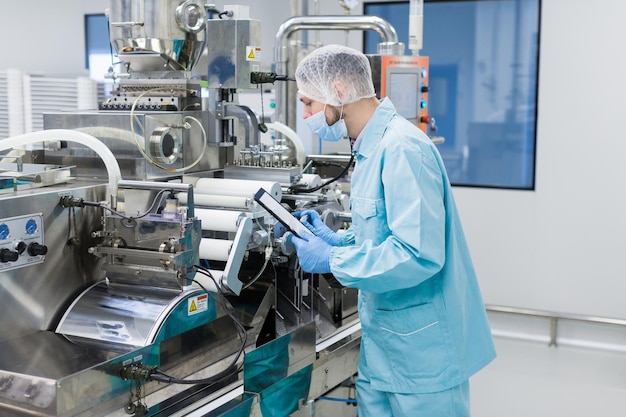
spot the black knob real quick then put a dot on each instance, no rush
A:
(424, 89)
(35, 249)
(7, 255)
(20, 247)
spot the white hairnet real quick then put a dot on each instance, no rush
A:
(319, 73)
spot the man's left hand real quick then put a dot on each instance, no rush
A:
(313, 254)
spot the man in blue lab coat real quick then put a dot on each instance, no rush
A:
(424, 326)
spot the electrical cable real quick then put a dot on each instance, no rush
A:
(268, 252)
(134, 119)
(131, 219)
(232, 368)
(229, 310)
(297, 190)
(284, 78)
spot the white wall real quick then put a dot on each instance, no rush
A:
(560, 247)
(42, 36)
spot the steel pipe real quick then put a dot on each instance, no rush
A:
(317, 22)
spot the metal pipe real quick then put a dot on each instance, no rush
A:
(555, 318)
(158, 186)
(551, 314)
(318, 22)
(554, 327)
(248, 118)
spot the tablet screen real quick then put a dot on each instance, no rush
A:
(281, 214)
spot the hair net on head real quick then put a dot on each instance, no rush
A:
(320, 72)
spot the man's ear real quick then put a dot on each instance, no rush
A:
(340, 87)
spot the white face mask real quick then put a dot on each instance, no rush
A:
(317, 123)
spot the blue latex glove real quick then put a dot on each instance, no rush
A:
(312, 220)
(313, 253)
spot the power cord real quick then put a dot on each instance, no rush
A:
(232, 369)
(298, 189)
(69, 201)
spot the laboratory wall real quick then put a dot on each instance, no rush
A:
(46, 37)
(559, 247)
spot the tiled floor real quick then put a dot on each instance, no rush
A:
(530, 379)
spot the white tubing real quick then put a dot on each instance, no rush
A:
(112, 167)
(293, 137)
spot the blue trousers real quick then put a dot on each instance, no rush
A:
(450, 403)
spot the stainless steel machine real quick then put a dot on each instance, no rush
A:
(137, 275)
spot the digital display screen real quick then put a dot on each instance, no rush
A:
(403, 91)
(281, 214)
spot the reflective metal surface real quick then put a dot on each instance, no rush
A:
(153, 35)
(32, 296)
(285, 64)
(47, 374)
(118, 317)
(114, 129)
(130, 319)
(231, 52)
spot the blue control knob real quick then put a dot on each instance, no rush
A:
(31, 227)
(4, 231)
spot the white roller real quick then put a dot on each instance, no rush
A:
(215, 249)
(219, 220)
(228, 201)
(311, 180)
(232, 187)
(207, 283)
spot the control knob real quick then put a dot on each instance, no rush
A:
(20, 247)
(7, 255)
(36, 249)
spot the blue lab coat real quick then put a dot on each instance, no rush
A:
(424, 325)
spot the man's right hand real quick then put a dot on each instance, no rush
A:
(312, 220)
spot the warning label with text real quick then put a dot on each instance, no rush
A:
(253, 53)
(197, 304)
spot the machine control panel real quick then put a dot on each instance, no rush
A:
(21, 241)
(404, 79)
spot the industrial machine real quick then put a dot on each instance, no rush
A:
(137, 274)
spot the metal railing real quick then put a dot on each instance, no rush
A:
(554, 318)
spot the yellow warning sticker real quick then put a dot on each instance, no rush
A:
(253, 53)
(197, 304)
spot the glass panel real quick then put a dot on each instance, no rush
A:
(97, 46)
(483, 84)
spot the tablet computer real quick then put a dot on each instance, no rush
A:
(281, 214)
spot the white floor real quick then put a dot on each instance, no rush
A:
(530, 379)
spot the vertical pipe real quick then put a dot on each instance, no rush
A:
(553, 331)
(416, 26)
